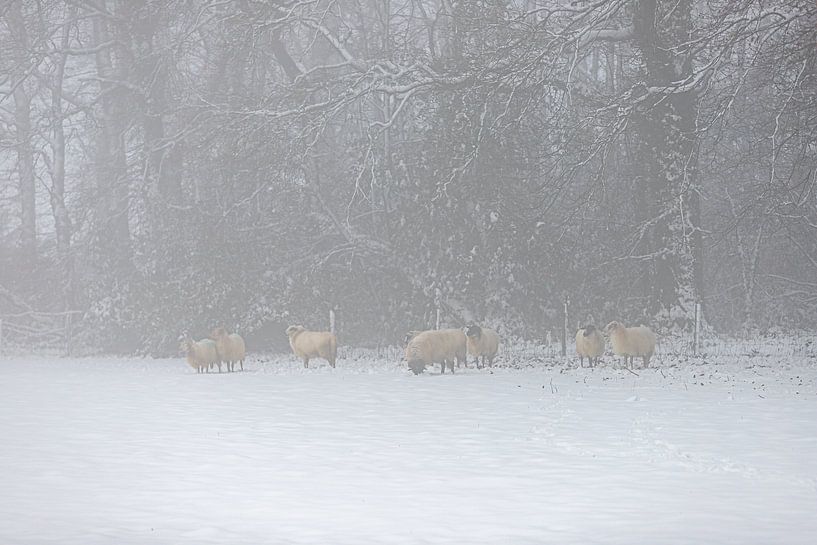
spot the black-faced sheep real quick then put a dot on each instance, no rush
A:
(631, 341)
(201, 355)
(482, 342)
(312, 344)
(230, 347)
(589, 344)
(429, 347)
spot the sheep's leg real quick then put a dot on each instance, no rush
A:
(581, 360)
(306, 363)
(241, 361)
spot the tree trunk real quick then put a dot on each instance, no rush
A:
(667, 163)
(113, 230)
(22, 122)
(62, 221)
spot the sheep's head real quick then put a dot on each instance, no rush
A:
(473, 330)
(589, 330)
(612, 327)
(294, 330)
(218, 333)
(185, 343)
(417, 366)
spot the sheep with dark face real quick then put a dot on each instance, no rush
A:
(482, 342)
(589, 344)
(429, 347)
(312, 344)
(631, 342)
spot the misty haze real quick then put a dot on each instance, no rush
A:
(408, 271)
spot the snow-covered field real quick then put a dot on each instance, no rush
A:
(132, 451)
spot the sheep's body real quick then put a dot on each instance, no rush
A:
(230, 347)
(429, 347)
(483, 342)
(589, 344)
(312, 344)
(630, 342)
(201, 355)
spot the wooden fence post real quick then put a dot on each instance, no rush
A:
(564, 328)
(437, 304)
(68, 333)
(696, 339)
(334, 321)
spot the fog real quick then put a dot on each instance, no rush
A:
(169, 166)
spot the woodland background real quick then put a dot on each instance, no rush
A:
(167, 165)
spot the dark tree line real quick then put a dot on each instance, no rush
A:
(171, 164)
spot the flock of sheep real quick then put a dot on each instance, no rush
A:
(628, 342)
(423, 348)
(221, 347)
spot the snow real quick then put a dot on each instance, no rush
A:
(105, 450)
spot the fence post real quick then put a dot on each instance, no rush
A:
(696, 339)
(564, 328)
(437, 303)
(68, 333)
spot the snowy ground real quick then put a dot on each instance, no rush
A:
(132, 451)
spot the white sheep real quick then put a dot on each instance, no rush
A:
(429, 347)
(312, 344)
(589, 344)
(482, 342)
(230, 347)
(201, 355)
(631, 341)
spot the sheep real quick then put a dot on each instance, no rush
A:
(631, 341)
(443, 346)
(230, 347)
(482, 342)
(312, 344)
(589, 344)
(201, 355)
